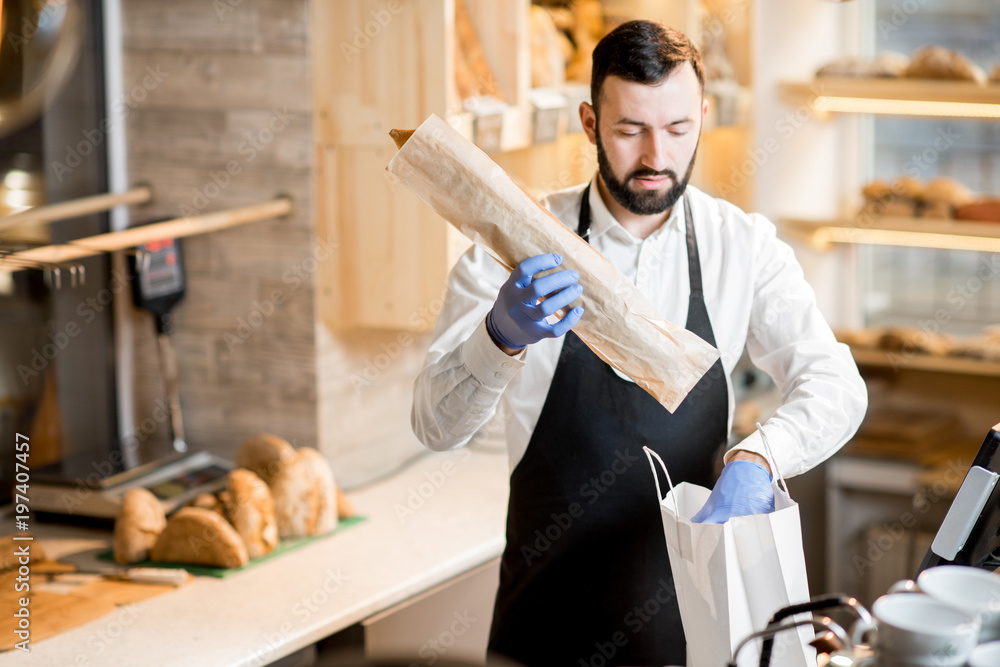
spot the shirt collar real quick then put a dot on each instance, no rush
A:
(602, 222)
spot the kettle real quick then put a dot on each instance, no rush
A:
(847, 655)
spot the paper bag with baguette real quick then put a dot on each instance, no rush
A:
(620, 325)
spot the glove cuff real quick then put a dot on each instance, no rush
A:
(497, 336)
(743, 463)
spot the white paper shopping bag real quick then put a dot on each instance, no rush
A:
(732, 578)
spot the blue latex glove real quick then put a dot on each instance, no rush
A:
(518, 319)
(744, 488)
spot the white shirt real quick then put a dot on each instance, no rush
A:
(756, 298)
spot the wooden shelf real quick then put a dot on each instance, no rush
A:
(909, 232)
(896, 97)
(70, 251)
(924, 362)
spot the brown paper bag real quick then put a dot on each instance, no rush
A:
(619, 324)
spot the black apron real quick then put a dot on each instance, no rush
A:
(585, 578)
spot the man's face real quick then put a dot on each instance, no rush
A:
(647, 138)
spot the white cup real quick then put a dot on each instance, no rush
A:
(985, 655)
(971, 589)
(915, 630)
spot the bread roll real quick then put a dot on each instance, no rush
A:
(887, 64)
(326, 490)
(943, 195)
(305, 501)
(250, 509)
(345, 508)
(915, 340)
(547, 65)
(264, 455)
(200, 537)
(890, 64)
(208, 501)
(140, 521)
(995, 74)
(983, 210)
(937, 62)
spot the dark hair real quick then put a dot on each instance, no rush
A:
(643, 52)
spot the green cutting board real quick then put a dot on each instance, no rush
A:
(284, 546)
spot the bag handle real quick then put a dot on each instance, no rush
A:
(772, 461)
(650, 455)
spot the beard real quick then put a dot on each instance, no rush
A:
(648, 202)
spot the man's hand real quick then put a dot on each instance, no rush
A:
(744, 488)
(518, 317)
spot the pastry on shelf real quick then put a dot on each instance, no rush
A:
(982, 347)
(982, 210)
(995, 74)
(548, 57)
(861, 338)
(937, 62)
(943, 196)
(902, 198)
(588, 29)
(886, 65)
(473, 74)
(913, 340)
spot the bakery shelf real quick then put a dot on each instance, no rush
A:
(895, 231)
(924, 362)
(58, 254)
(896, 97)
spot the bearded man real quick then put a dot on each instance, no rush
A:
(597, 589)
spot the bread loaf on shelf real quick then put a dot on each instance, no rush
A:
(937, 62)
(886, 65)
(915, 340)
(942, 196)
(138, 525)
(982, 210)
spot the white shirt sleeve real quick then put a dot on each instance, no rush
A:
(823, 395)
(465, 373)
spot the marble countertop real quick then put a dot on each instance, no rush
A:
(439, 517)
